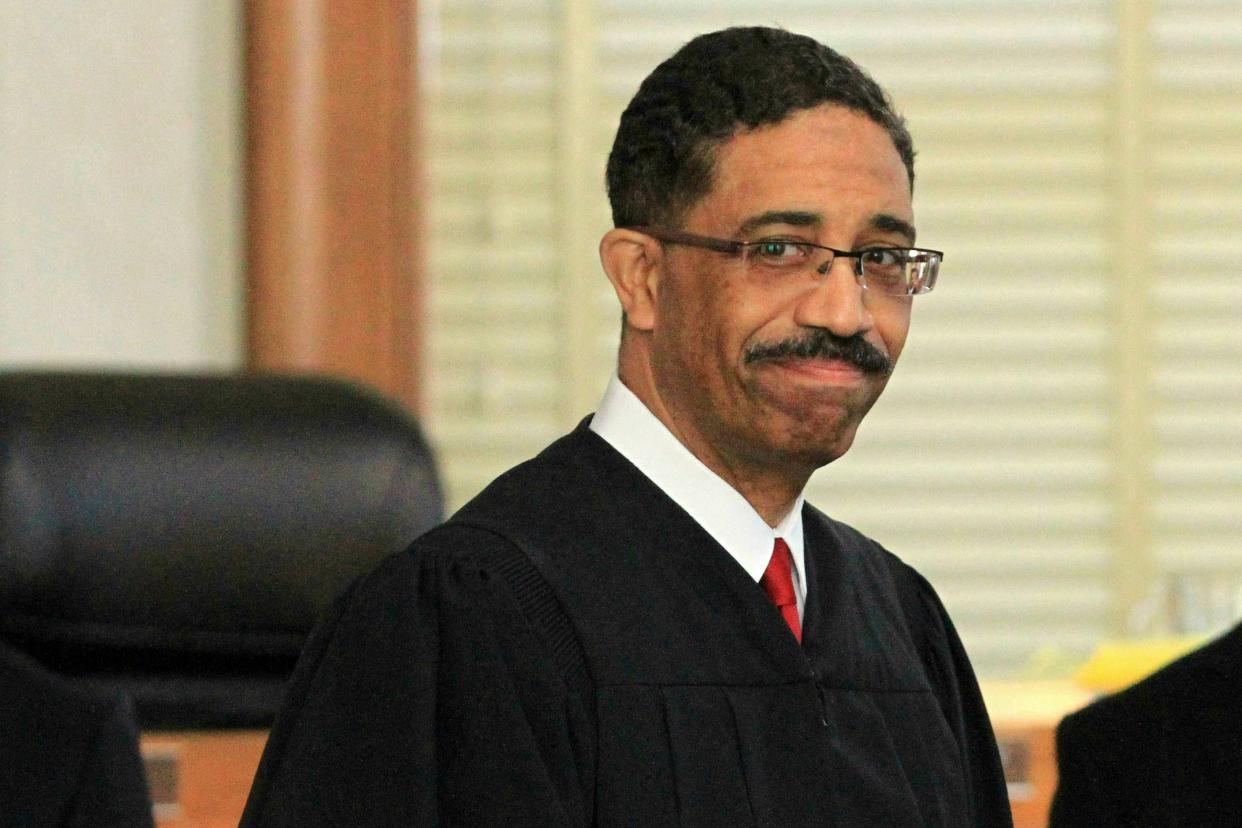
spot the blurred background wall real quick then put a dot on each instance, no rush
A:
(120, 183)
(1060, 451)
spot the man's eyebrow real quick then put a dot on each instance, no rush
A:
(796, 218)
(891, 224)
(884, 222)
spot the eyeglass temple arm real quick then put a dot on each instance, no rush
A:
(691, 239)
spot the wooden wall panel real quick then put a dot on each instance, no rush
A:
(332, 195)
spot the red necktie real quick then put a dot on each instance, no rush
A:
(777, 582)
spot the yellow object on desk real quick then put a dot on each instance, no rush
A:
(1117, 664)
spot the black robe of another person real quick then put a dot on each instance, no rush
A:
(572, 649)
(68, 755)
(1164, 752)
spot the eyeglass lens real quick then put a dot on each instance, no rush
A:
(893, 271)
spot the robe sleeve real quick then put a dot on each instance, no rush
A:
(1082, 799)
(113, 791)
(68, 752)
(425, 697)
(954, 683)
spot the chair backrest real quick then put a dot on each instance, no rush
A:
(177, 536)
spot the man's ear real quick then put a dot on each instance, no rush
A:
(633, 262)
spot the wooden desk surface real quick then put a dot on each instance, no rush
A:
(200, 779)
(1025, 715)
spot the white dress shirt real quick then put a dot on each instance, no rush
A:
(628, 426)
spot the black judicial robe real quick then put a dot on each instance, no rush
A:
(571, 649)
(68, 754)
(1163, 752)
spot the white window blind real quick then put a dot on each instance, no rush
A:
(1063, 427)
(1194, 175)
(494, 269)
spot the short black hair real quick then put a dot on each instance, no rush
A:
(662, 159)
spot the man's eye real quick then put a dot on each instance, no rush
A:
(882, 257)
(779, 251)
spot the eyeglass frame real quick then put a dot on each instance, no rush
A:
(733, 247)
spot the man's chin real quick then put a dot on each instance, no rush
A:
(823, 417)
(808, 445)
(819, 454)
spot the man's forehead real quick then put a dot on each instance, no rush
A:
(828, 117)
(803, 170)
(829, 127)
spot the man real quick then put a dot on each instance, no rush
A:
(645, 625)
(1161, 753)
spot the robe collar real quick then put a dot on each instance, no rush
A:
(625, 423)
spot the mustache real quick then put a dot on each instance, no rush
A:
(824, 344)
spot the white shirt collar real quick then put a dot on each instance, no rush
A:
(626, 424)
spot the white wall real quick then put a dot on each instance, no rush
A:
(120, 145)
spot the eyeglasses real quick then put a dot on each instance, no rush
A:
(893, 271)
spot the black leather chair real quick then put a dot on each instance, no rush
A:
(175, 537)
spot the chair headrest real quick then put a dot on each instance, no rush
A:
(204, 520)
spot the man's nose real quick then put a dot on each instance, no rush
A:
(835, 301)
